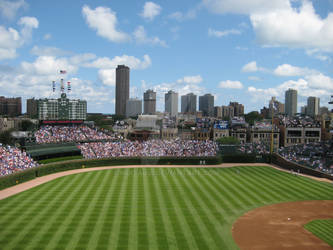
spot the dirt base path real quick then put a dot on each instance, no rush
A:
(280, 226)
(40, 180)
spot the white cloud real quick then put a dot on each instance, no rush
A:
(47, 51)
(289, 70)
(48, 65)
(8, 9)
(190, 79)
(295, 28)
(314, 85)
(47, 36)
(320, 81)
(180, 16)
(316, 53)
(107, 76)
(254, 78)
(104, 21)
(151, 10)
(141, 37)
(130, 61)
(218, 33)
(244, 7)
(252, 67)
(230, 84)
(11, 39)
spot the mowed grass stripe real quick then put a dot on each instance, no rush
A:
(151, 228)
(184, 240)
(133, 237)
(323, 229)
(60, 214)
(190, 218)
(165, 219)
(93, 212)
(258, 186)
(215, 190)
(96, 218)
(248, 198)
(14, 209)
(164, 208)
(210, 220)
(269, 188)
(34, 217)
(76, 218)
(108, 217)
(299, 186)
(77, 193)
(123, 238)
(142, 231)
(116, 210)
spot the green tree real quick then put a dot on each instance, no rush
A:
(27, 125)
(6, 137)
(229, 140)
(252, 117)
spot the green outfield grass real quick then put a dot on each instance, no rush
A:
(155, 208)
(323, 229)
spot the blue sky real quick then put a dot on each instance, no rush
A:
(238, 50)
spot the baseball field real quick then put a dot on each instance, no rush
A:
(147, 208)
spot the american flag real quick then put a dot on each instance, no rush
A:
(63, 71)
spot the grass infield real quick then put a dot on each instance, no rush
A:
(156, 208)
(323, 229)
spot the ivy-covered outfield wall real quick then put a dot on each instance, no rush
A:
(46, 169)
(50, 168)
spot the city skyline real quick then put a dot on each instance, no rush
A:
(235, 51)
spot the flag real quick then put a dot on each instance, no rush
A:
(63, 71)
(69, 86)
(53, 85)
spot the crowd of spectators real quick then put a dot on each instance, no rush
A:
(58, 134)
(254, 148)
(318, 156)
(13, 159)
(299, 122)
(154, 148)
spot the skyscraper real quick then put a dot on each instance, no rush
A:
(122, 88)
(291, 102)
(189, 103)
(171, 103)
(133, 107)
(149, 100)
(313, 106)
(238, 108)
(206, 104)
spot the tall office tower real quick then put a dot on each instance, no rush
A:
(313, 106)
(218, 112)
(291, 102)
(206, 104)
(10, 106)
(32, 108)
(122, 88)
(171, 103)
(238, 108)
(133, 107)
(149, 100)
(189, 103)
(228, 112)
